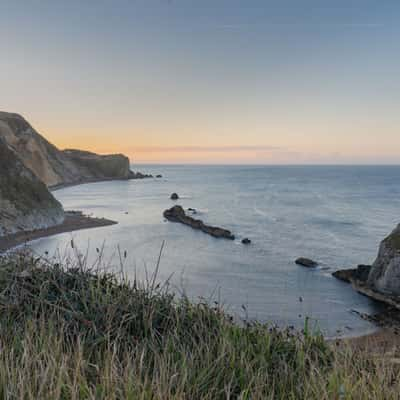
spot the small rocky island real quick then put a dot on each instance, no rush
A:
(177, 214)
(306, 262)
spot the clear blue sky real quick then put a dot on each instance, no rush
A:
(208, 81)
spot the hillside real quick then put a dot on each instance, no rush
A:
(53, 166)
(25, 202)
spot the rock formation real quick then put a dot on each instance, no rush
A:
(25, 202)
(29, 163)
(381, 281)
(385, 272)
(246, 241)
(55, 167)
(139, 175)
(359, 274)
(174, 196)
(177, 214)
(306, 262)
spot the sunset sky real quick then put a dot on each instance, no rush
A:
(210, 81)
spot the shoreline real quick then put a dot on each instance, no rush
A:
(60, 186)
(74, 221)
(383, 342)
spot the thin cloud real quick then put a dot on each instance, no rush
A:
(206, 149)
(236, 27)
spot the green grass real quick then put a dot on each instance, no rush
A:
(76, 333)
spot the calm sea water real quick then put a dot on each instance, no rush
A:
(336, 215)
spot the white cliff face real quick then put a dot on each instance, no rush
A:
(25, 202)
(385, 273)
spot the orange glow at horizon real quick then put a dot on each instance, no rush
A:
(279, 142)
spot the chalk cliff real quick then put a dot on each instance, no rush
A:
(29, 165)
(385, 272)
(53, 166)
(25, 201)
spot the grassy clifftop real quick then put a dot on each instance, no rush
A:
(80, 334)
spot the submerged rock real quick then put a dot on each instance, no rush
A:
(174, 196)
(385, 272)
(246, 241)
(177, 214)
(306, 262)
(158, 176)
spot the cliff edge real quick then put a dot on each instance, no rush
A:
(384, 276)
(29, 165)
(25, 202)
(55, 167)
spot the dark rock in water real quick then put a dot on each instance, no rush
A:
(306, 262)
(158, 176)
(359, 274)
(177, 214)
(246, 241)
(174, 196)
(192, 210)
(139, 175)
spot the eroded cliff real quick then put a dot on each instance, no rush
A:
(53, 166)
(25, 202)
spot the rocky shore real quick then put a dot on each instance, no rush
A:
(380, 281)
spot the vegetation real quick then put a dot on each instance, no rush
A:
(73, 332)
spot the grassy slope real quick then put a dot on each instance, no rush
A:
(79, 334)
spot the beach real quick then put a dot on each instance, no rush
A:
(74, 220)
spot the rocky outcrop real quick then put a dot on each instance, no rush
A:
(139, 175)
(246, 241)
(381, 281)
(354, 275)
(25, 202)
(385, 272)
(174, 196)
(177, 214)
(55, 167)
(306, 262)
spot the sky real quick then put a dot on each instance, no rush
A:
(208, 81)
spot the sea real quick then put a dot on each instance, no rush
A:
(336, 215)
